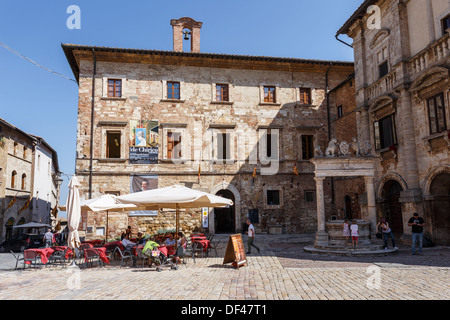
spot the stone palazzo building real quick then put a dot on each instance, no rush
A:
(237, 126)
(402, 62)
(29, 181)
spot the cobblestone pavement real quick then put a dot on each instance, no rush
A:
(282, 271)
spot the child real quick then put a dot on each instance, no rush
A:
(346, 230)
(354, 229)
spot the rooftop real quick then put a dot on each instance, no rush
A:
(70, 55)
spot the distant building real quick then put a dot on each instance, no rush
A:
(29, 180)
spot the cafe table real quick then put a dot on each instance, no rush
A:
(203, 241)
(167, 250)
(101, 253)
(63, 248)
(43, 253)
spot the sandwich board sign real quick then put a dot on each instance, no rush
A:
(235, 253)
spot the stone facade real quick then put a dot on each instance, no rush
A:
(402, 84)
(283, 199)
(18, 180)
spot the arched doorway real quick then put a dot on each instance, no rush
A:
(224, 218)
(392, 206)
(348, 208)
(440, 213)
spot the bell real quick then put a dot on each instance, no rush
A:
(186, 36)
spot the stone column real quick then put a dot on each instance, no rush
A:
(321, 235)
(371, 205)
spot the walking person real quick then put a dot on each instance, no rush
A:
(48, 238)
(251, 237)
(417, 223)
(387, 233)
(354, 231)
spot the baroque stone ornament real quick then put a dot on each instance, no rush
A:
(344, 148)
(332, 148)
(367, 148)
(355, 147)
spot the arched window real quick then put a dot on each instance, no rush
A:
(13, 179)
(24, 177)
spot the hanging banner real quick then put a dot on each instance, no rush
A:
(205, 212)
(144, 142)
(140, 183)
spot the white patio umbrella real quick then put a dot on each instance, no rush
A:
(73, 213)
(174, 197)
(106, 203)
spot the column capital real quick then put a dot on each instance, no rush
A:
(319, 179)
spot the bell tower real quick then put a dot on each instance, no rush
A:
(186, 28)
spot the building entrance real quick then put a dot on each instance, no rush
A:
(224, 218)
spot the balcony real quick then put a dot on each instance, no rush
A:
(430, 56)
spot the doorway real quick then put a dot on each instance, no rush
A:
(392, 205)
(224, 218)
(440, 213)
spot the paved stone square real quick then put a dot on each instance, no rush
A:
(282, 271)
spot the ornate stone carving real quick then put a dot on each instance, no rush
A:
(344, 148)
(332, 148)
(367, 149)
(355, 147)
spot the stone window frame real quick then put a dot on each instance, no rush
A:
(164, 97)
(311, 97)
(384, 107)
(445, 106)
(214, 95)
(174, 128)
(113, 127)
(276, 93)
(105, 79)
(273, 188)
(304, 131)
(213, 152)
(262, 141)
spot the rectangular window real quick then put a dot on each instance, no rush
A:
(173, 90)
(385, 135)
(339, 111)
(222, 92)
(436, 113)
(269, 94)
(309, 196)
(115, 88)
(113, 144)
(307, 147)
(273, 197)
(445, 24)
(223, 146)
(383, 69)
(305, 95)
(173, 145)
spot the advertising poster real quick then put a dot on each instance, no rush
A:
(141, 183)
(144, 142)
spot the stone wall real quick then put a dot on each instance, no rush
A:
(246, 116)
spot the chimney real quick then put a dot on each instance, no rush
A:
(189, 28)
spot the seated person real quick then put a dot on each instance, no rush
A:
(128, 245)
(170, 241)
(181, 240)
(140, 238)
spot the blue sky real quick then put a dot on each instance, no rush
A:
(44, 104)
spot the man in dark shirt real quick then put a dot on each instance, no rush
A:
(417, 223)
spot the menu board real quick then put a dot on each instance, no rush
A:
(235, 252)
